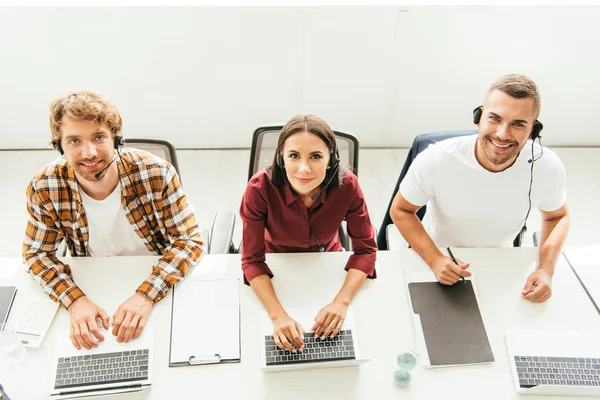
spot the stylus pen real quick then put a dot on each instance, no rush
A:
(453, 259)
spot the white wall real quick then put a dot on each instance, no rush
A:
(206, 77)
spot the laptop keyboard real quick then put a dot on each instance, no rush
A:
(98, 369)
(340, 347)
(571, 371)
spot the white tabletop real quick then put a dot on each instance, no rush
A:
(311, 280)
(586, 262)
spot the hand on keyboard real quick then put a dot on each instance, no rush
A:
(130, 318)
(329, 319)
(84, 328)
(288, 334)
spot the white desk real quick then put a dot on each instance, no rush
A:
(312, 280)
(586, 263)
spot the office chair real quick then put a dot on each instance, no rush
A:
(264, 144)
(388, 230)
(221, 233)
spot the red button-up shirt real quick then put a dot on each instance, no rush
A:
(277, 221)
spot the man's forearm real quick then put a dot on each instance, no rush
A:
(415, 235)
(554, 235)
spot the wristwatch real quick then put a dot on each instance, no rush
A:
(3, 395)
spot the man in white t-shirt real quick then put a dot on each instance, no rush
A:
(103, 200)
(480, 189)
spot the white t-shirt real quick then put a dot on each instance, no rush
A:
(469, 206)
(110, 234)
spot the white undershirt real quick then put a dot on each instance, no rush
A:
(110, 233)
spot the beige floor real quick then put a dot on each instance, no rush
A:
(215, 180)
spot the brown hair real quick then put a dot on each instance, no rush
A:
(84, 105)
(316, 126)
(519, 87)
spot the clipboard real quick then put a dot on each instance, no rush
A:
(205, 322)
(447, 322)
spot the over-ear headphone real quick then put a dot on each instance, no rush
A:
(535, 131)
(119, 142)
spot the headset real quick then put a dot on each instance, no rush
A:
(118, 143)
(535, 131)
(535, 134)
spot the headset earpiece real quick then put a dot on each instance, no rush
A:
(537, 130)
(279, 160)
(477, 114)
(57, 146)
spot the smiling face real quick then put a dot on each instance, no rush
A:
(505, 126)
(306, 158)
(88, 147)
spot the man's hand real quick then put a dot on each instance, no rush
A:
(130, 318)
(84, 328)
(448, 273)
(329, 319)
(538, 287)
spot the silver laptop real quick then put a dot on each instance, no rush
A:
(555, 363)
(340, 351)
(108, 369)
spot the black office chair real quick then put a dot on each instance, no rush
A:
(264, 144)
(420, 143)
(221, 233)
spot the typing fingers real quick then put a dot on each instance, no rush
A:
(95, 330)
(326, 322)
(285, 343)
(85, 337)
(319, 319)
(294, 337)
(140, 328)
(124, 327)
(331, 327)
(75, 335)
(117, 320)
(131, 328)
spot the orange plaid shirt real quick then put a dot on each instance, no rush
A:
(156, 207)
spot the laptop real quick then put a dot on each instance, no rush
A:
(340, 351)
(110, 368)
(555, 363)
(7, 297)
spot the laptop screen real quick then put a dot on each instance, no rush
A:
(7, 294)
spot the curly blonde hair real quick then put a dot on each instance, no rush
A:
(84, 105)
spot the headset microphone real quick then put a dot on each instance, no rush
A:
(105, 168)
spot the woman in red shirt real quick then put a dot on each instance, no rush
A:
(305, 187)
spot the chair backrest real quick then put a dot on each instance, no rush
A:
(420, 143)
(264, 144)
(158, 147)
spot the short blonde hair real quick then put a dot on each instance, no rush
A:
(520, 87)
(84, 105)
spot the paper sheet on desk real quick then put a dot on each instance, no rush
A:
(585, 261)
(205, 321)
(447, 324)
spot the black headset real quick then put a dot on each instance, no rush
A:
(535, 131)
(119, 142)
(535, 134)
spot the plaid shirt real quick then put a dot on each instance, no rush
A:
(157, 208)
